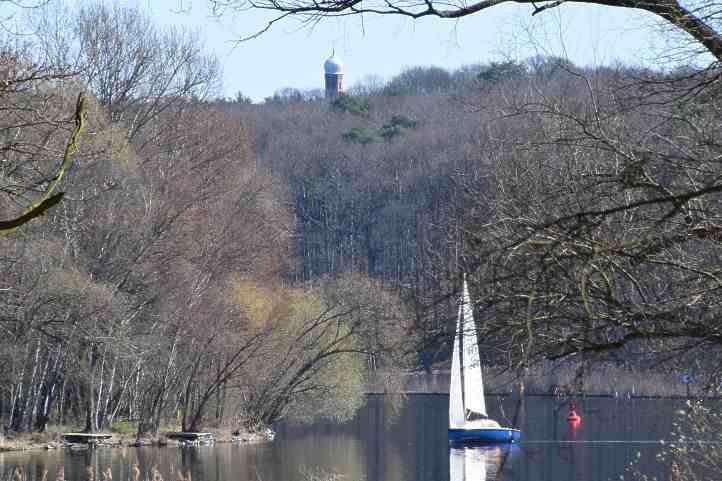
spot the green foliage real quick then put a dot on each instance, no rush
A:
(254, 301)
(307, 367)
(337, 389)
(351, 104)
(359, 135)
(396, 126)
(390, 130)
(340, 394)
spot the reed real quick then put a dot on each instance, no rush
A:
(19, 473)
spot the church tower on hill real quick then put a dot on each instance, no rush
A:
(333, 73)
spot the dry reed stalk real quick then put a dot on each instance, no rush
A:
(44, 474)
(18, 473)
(108, 474)
(135, 472)
(180, 477)
(90, 473)
(60, 475)
(155, 474)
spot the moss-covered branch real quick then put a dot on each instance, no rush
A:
(48, 199)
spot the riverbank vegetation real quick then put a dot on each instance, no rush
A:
(220, 263)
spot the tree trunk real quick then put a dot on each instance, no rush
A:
(91, 424)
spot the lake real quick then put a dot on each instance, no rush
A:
(393, 441)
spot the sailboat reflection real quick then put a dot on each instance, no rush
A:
(475, 463)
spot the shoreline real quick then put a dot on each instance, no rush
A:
(33, 441)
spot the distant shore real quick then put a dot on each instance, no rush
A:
(607, 381)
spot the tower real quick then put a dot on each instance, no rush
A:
(333, 73)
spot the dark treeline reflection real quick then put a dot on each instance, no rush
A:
(389, 442)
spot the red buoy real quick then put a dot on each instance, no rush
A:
(573, 417)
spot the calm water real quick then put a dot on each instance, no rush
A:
(387, 442)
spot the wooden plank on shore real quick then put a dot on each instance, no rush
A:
(189, 436)
(86, 438)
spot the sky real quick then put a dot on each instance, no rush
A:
(290, 55)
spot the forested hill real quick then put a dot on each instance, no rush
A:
(378, 177)
(561, 189)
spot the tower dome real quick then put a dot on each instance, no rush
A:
(333, 75)
(332, 65)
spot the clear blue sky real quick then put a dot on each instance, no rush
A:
(292, 56)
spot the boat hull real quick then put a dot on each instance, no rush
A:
(485, 435)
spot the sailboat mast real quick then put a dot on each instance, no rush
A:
(462, 325)
(457, 412)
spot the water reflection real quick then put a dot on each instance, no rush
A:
(408, 443)
(476, 463)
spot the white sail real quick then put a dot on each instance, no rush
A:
(456, 402)
(473, 384)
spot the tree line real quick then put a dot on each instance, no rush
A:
(582, 202)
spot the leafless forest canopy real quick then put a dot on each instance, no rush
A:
(214, 262)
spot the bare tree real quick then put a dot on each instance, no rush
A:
(700, 19)
(591, 223)
(135, 69)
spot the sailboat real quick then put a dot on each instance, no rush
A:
(468, 420)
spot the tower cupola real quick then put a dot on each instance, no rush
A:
(333, 75)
